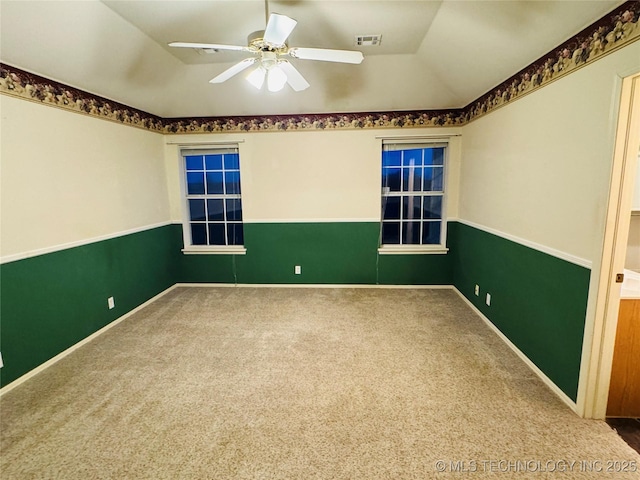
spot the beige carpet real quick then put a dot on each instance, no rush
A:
(263, 383)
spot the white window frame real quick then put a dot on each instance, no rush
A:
(190, 249)
(414, 249)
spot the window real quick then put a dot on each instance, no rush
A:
(213, 203)
(413, 197)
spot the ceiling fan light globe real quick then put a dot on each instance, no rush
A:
(276, 78)
(256, 77)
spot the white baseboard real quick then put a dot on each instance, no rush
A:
(61, 355)
(84, 341)
(547, 381)
(563, 396)
(312, 285)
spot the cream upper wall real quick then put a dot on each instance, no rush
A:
(309, 176)
(69, 178)
(539, 168)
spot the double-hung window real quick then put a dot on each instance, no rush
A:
(213, 203)
(413, 197)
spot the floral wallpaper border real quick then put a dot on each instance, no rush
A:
(19, 83)
(611, 32)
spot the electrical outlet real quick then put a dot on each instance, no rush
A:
(297, 270)
(111, 302)
(488, 300)
(477, 290)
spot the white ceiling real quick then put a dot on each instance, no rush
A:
(434, 54)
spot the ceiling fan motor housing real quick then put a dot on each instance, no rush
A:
(256, 40)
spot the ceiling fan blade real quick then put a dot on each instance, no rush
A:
(213, 46)
(294, 77)
(234, 70)
(278, 29)
(326, 55)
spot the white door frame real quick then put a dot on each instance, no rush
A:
(595, 372)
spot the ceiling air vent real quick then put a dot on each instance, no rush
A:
(368, 40)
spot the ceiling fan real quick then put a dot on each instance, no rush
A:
(268, 47)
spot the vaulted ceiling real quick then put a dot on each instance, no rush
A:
(433, 55)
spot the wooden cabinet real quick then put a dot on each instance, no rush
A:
(624, 389)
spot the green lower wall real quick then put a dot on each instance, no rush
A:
(51, 302)
(538, 301)
(430, 269)
(328, 253)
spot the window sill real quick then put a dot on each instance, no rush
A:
(209, 250)
(413, 250)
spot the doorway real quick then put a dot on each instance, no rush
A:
(599, 355)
